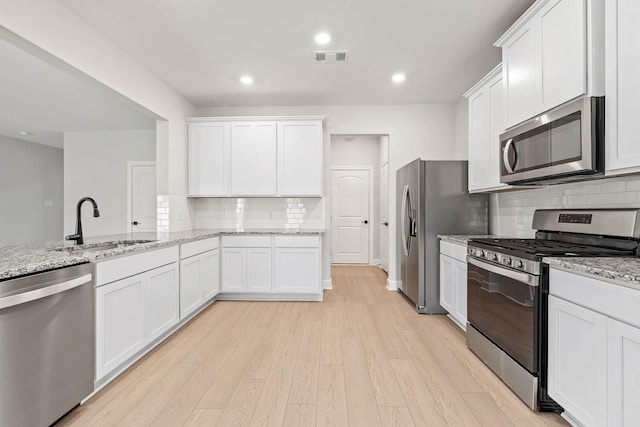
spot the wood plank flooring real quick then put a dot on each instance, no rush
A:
(362, 357)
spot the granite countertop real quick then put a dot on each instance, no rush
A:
(21, 260)
(623, 271)
(463, 239)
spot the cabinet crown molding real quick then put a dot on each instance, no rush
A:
(253, 119)
(486, 79)
(522, 20)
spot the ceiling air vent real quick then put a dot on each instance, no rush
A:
(331, 56)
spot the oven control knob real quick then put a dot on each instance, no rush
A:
(519, 264)
(506, 261)
(480, 253)
(493, 257)
(472, 252)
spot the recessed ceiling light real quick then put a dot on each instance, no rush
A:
(323, 38)
(246, 80)
(24, 133)
(398, 77)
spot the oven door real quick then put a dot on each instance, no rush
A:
(502, 304)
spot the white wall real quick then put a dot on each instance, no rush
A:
(512, 212)
(362, 151)
(95, 165)
(50, 26)
(425, 131)
(30, 175)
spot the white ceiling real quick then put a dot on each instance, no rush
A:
(201, 47)
(47, 100)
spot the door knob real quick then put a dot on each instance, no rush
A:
(135, 223)
(365, 221)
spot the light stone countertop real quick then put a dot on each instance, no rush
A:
(463, 239)
(624, 271)
(22, 260)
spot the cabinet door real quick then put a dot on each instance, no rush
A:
(253, 159)
(447, 283)
(479, 139)
(460, 283)
(190, 291)
(563, 52)
(208, 159)
(234, 267)
(300, 158)
(297, 270)
(259, 270)
(163, 295)
(210, 274)
(265, 165)
(623, 374)
(519, 72)
(497, 108)
(578, 361)
(622, 64)
(120, 326)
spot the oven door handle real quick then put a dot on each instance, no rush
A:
(528, 279)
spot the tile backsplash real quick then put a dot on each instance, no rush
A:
(255, 213)
(512, 212)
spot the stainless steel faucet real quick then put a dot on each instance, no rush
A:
(79, 239)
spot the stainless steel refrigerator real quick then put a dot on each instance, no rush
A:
(432, 199)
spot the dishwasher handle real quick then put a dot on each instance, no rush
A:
(24, 297)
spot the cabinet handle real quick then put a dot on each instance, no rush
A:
(366, 221)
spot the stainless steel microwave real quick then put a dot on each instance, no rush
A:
(562, 145)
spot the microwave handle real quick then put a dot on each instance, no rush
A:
(505, 156)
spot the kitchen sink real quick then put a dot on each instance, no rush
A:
(103, 246)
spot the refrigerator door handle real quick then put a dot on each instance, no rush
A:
(403, 218)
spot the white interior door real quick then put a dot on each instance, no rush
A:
(350, 214)
(142, 197)
(384, 217)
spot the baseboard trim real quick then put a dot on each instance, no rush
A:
(392, 285)
(327, 284)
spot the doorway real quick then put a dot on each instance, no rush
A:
(354, 160)
(141, 197)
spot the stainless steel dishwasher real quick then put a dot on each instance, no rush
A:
(46, 345)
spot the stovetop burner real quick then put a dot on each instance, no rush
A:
(542, 247)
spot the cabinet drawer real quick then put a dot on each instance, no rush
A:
(246, 241)
(297, 241)
(454, 250)
(198, 247)
(612, 300)
(119, 268)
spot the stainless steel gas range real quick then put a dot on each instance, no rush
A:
(507, 290)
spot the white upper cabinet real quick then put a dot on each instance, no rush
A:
(551, 55)
(486, 122)
(300, 158)
(208, 157)
(622, 86)
(253, 159)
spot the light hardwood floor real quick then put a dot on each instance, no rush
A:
(362, 357)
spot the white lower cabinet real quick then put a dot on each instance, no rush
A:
(297, 265)
(246, 264)
(453, 282)
(624, 374)
(594, 358)
(578, 361)
(119, 323)
(134, 305)
(199, 274)
(162, 290)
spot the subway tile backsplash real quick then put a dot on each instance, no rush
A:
(256, 213)
(512, 212)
